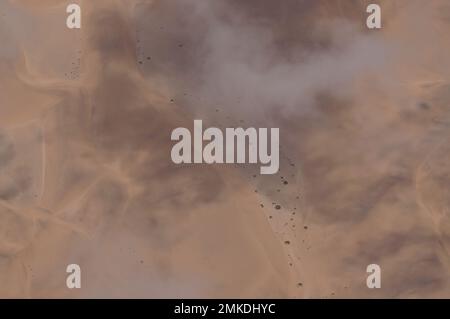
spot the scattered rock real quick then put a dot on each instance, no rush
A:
(424, 105)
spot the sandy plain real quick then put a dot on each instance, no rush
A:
(85, 169)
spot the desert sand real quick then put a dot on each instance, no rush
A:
(86, 175)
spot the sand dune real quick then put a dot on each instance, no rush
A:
(86, 175)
